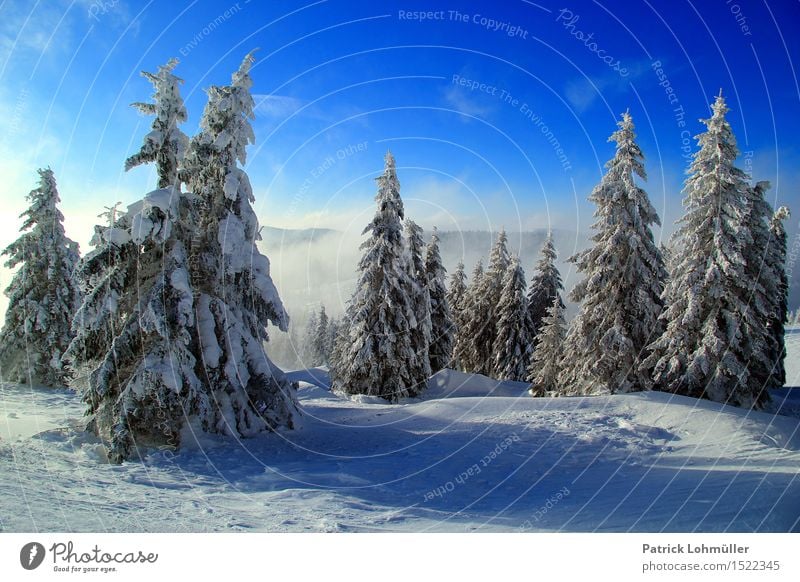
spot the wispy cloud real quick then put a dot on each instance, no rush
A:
(583, 92)
(29, 32)
(463, 101)
(276, 106)
(27, 28)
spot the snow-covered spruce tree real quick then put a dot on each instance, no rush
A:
(43, 294)
(235, 296)
(189, 323)
(764, 281)
(165, 144)
(320, 340)
(373, 355)
(470, 350)
(624, 274)
(134, 327)
(490, 288)
(139, 314)
(779, 309)
(442, 325)
(106, 275)
(420, 363)
(545, 366)
(545, 286)
(703, 352)
(457, 290)
(456, 298)
(512, 348)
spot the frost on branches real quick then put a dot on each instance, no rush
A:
(545, 365)
(457, 289)
(475, 341)
(138, 314)
(374, 348)
(707, 347)
(765, 261)
(620, 294)
(106, 276)
(456, 296)
(419, 362)
(186, 294)
(545, 287)
(779, 307)
(43, 294)
(492, 289)
(165, 144)
(513, 344)
(234, 293)
(473, 319)
(441, 348)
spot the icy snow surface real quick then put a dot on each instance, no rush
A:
(471, 455)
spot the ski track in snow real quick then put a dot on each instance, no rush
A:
(639, 462)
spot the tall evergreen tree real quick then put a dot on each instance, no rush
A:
(189, 310)
(235, 295)
(442, 324)
(764, 281)
(544, 288)
(138, 313)
(467, 351)
(545, 367)
(165, 144)
(490, 287)
(373, 354)
(105, 276)
(512, 348)
(779, 309)
(43, 294)
(704, 351)
(419, 363)
(624, 273)
(457, 291)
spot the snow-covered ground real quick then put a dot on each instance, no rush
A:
(472, 455)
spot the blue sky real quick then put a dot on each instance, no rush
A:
(475, 100)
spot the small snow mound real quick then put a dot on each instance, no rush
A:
(453, 384)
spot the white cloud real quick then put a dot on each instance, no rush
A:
(462, 101)
(276, 106)
(582, 92)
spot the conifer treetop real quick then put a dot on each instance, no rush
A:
(165, 144)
